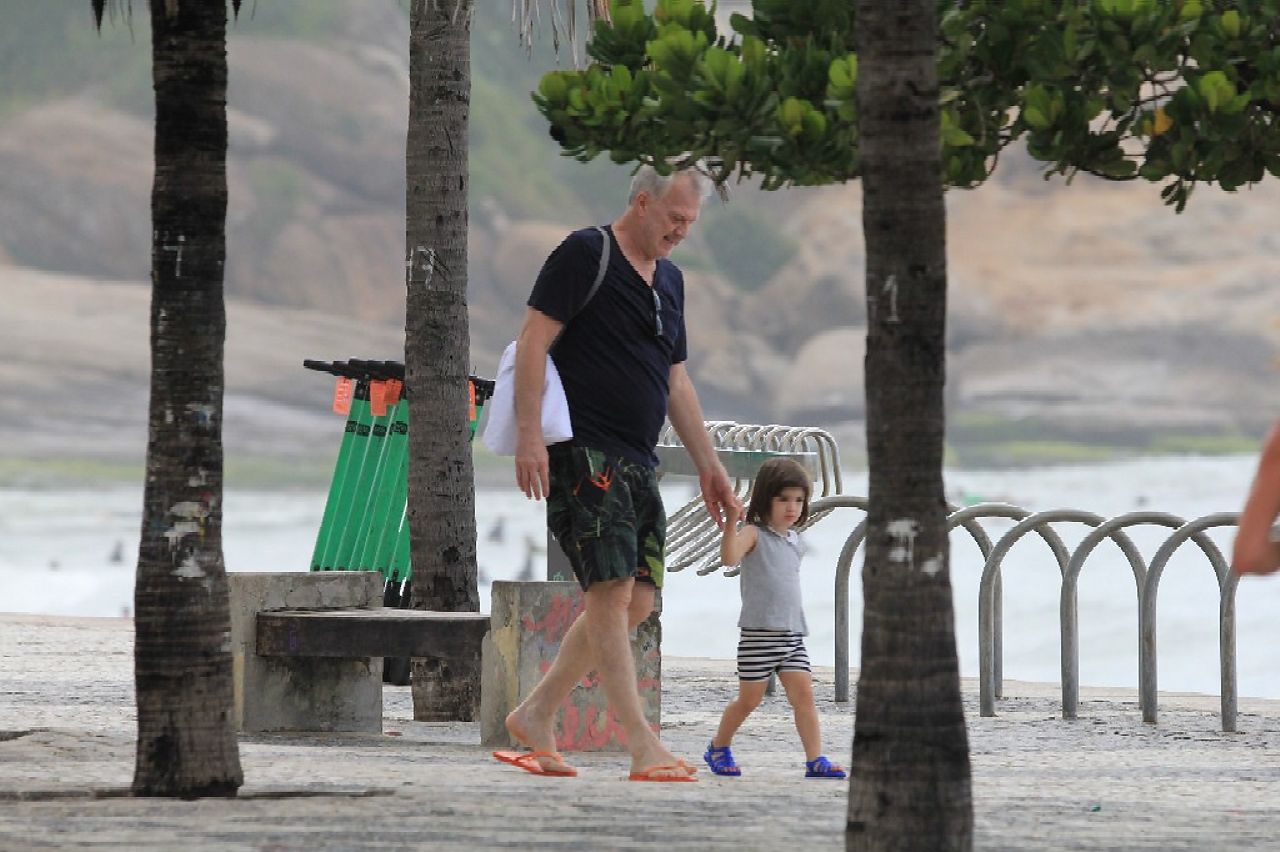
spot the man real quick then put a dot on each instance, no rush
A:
(621, 360)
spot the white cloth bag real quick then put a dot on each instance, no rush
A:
(500, 432)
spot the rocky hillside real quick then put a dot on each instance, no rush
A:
(1079, 314)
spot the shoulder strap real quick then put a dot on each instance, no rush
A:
(595, 285)
(604, 265)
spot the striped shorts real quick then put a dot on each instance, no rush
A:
(763, 652)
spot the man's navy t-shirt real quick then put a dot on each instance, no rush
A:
(614, 365)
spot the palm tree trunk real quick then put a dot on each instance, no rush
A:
(910, 786)
(182, 657)
(442, 518)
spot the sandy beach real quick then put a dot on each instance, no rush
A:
(1105, 781)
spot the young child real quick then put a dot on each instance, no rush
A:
(772, 621)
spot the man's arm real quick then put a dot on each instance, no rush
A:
(1255, 552)
(685, 413)
(537, 333)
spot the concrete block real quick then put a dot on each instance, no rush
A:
(304, 694)
(528, 622)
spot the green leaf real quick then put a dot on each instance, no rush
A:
(791, 114)
(1216, 90)
(1237, 104)
(1231, 23)
(1035, 118)
(1119, 168)
(956, 137)
(842, 76)
(815, 125)
(553, 86)
(1154, 171)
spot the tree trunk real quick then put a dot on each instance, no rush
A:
(182, 656)
(910, 785)
(442, 519)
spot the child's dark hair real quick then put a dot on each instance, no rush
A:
(773, 476)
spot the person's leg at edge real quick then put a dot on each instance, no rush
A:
(750, 694)
(608, 603)
(533, 722)
(799, 688)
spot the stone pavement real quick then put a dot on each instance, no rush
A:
(1106, 781)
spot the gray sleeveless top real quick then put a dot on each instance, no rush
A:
(770, 582)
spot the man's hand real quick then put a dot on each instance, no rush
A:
(718, 495)
(532, 468)
(536, 336)
(732, 514)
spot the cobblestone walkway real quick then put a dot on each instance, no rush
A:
(1106, 781)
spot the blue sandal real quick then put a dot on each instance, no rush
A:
(820, 767)
(720, 759)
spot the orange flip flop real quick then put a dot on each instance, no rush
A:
(528, 761)
(653, 773)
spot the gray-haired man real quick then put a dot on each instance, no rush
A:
(622, 362)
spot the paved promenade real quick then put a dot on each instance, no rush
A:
(1106, 781)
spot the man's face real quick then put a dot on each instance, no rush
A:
(669, 217)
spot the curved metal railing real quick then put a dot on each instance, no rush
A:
(1146, 585)
(693, 539)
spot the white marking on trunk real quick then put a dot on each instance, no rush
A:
(181, 529)
(891, 287)
(428, 263)
(903, 531)
(931, 566)
(189, 569)
(189, 509)
(177, 249)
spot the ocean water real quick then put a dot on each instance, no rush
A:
(72, 552)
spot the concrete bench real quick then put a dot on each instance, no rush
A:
(308, 648)
(350, 633)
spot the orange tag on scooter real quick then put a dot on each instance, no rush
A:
(394, 387)
(378, 398)
(342, 395)
(471, 394)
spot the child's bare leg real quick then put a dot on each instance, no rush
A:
(799, 687)
(750, 694)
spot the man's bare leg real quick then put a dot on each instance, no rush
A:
(533, 722)
(606, 616)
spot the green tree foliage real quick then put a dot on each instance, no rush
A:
(1172, 91)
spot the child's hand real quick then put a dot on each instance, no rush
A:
(732, 514)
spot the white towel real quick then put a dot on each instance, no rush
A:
(500, 431)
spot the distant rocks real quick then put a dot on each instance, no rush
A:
(1088, 312)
